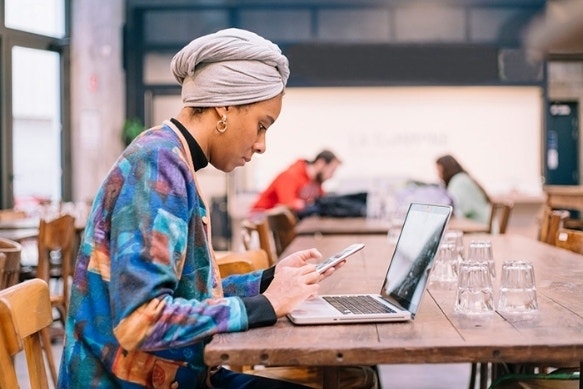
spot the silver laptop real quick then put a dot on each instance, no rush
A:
(405, 281)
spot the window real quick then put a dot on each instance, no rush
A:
(45, 17)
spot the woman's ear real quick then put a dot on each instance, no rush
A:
(221, 111)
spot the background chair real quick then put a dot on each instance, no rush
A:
(9, 263)
(56, 242)
(242, 262)
(257, 235)
(499, 217)
(570, 239)
(282, 222)
(25, 310)
(551, 222)
(12, 251)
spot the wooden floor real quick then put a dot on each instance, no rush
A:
(430, 376)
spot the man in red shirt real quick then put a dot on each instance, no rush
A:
(300, 184)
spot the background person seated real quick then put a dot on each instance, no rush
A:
(470, 200)
(300, 184)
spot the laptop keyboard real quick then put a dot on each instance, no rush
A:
(357, 304)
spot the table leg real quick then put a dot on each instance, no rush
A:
(484, 375)
(330, 375)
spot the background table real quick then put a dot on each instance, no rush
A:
(437, 335)
(361, 225)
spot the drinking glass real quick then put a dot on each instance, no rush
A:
(517, 292)
(445, 263)
(456, 237)
(481, 251)
(474, 293)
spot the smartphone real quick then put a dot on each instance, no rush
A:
(339, 257)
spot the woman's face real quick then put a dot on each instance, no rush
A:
(245, 135)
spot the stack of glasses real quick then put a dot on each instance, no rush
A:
(473, 278)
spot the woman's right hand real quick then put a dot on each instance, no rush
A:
(290, 286)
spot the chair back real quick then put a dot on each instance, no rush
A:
(56, 242)
(569, 239)
(242, 262)
(10, 264)
(551, 222)
(282, 222)
(25, 310)
(258, 231)
(499, 217)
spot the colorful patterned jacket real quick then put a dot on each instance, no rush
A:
(146, 295)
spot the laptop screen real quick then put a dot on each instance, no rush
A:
(414, 253)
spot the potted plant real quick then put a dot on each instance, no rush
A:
(131, 128)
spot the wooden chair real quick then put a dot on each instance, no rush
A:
(499, 217)
(551, 222)
(9, 262)
(12, 251)
(25, 312)
(571, 240)
(282, 222)
(259, 231)
(56, 242)
(242, 262)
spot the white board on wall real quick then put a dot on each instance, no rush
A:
(495, 132)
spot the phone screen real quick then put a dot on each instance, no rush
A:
(338, 257)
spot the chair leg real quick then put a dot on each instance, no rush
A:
(46, 345)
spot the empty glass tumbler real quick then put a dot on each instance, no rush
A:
(456, 237)
(474, 293)
(445, 263)
(481, 251)
(517, 292)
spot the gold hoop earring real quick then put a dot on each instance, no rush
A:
(222, 124)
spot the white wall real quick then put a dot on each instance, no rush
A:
(399, 131)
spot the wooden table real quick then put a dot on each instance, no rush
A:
(19, 234)
(437, 335)
(361, 225)
(19, 229)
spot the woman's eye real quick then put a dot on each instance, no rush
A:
(262, 127)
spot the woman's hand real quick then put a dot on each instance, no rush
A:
(299, 258)
(295, 280)
(303, 257)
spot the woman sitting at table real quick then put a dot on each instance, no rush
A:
(147, 295)
(470, 200)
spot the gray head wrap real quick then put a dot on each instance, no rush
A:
(229, 67)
